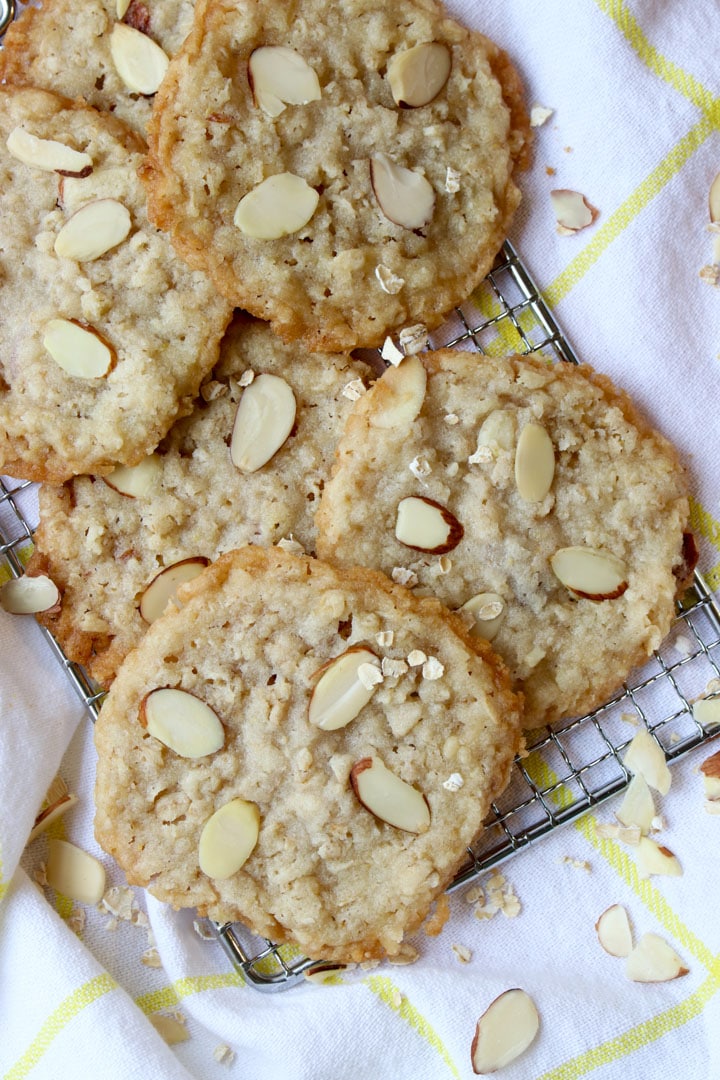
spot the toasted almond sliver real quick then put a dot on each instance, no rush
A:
(78, 350)
(637, 807)
(534, 463)
(591, 573)
(138, 60)
(182, 722)
(265, 417)
(75, 873)
(504, 1031)
(280, 76)
(278, 206)
(94, 229)
(613, 931)
(426, 525)
(340, 694)
(400, 394)
(389, 797)
(653, 960)
(653, 859)
(645, 756)
(404, 196)
(47, 154)
(163, 587)
(136, 481)
(417, 75)
(228, 838)
(29, 595)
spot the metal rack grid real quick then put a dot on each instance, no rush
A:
(567, 769)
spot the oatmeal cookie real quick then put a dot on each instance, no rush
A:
(103, 548)
(334, 707)
(106, 334)
(295, 158)
(535, 488)
(71, 49)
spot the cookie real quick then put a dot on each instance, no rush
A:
(76, 51)
(104, 548)
(346, 735)
(284, 162)
(532, 495)
(106, 334)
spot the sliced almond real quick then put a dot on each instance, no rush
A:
(92, 230)
(714, 200)
(323, 973)
(136, 481)
(417, 75)
(400, 394)
(228, 838)
(163, 588)
(388, 797)
(138, 60)
(29, 595)
(591, 573)
(74, 873)
(706, 711)
(339, 694)
(645, 756)
(637, 807)
(488, 611)
(280, 76)
(47, 154)
(504, 1031)
(572, 210)
(613, 931)
(182, 722)
(425, 525)
(79, 350)
(405, 197)
(264, 419)
(654, 859)
(52, 812)
(172, 1030)
(121, 7)
(653, 960)
(534, 463)
(710, 770)
(278, 206)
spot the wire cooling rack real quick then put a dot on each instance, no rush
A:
(567, 769)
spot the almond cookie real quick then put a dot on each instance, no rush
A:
(338, 168)
(77, 51)
(530, 495)
(303, 749)
(106, 334)
(104, 543)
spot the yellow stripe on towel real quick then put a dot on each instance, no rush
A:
(392, 996)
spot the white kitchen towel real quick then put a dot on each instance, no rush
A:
(635, 128)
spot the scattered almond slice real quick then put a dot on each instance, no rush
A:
(163, 587)
(56, 803)
(121, 7)
(171, 1028)
(47, 154)
(138, 60)
(613, 931)
(714, 200)
(264, 419)
(74, 873)
(323, 974)
(136, 481)
(389, 797)
(652, 859)
(504, 1031)
(78, 350)
(94, 229)
(572, 211)
(29, 595)
(653, 960)
(340, 694)
(710, 770)
(417, 75)
(534, 463)
(591, 573)
(403, 395)
(279, 76)
(706, 711)
(646, 757)
(228, 839)
(425, 525)
(637, 807)
(182, 722)
(278, 206)
(405, 197)
(627, 834)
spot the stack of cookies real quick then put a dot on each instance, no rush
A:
(319, 596)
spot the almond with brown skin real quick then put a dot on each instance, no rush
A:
(426, 525)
